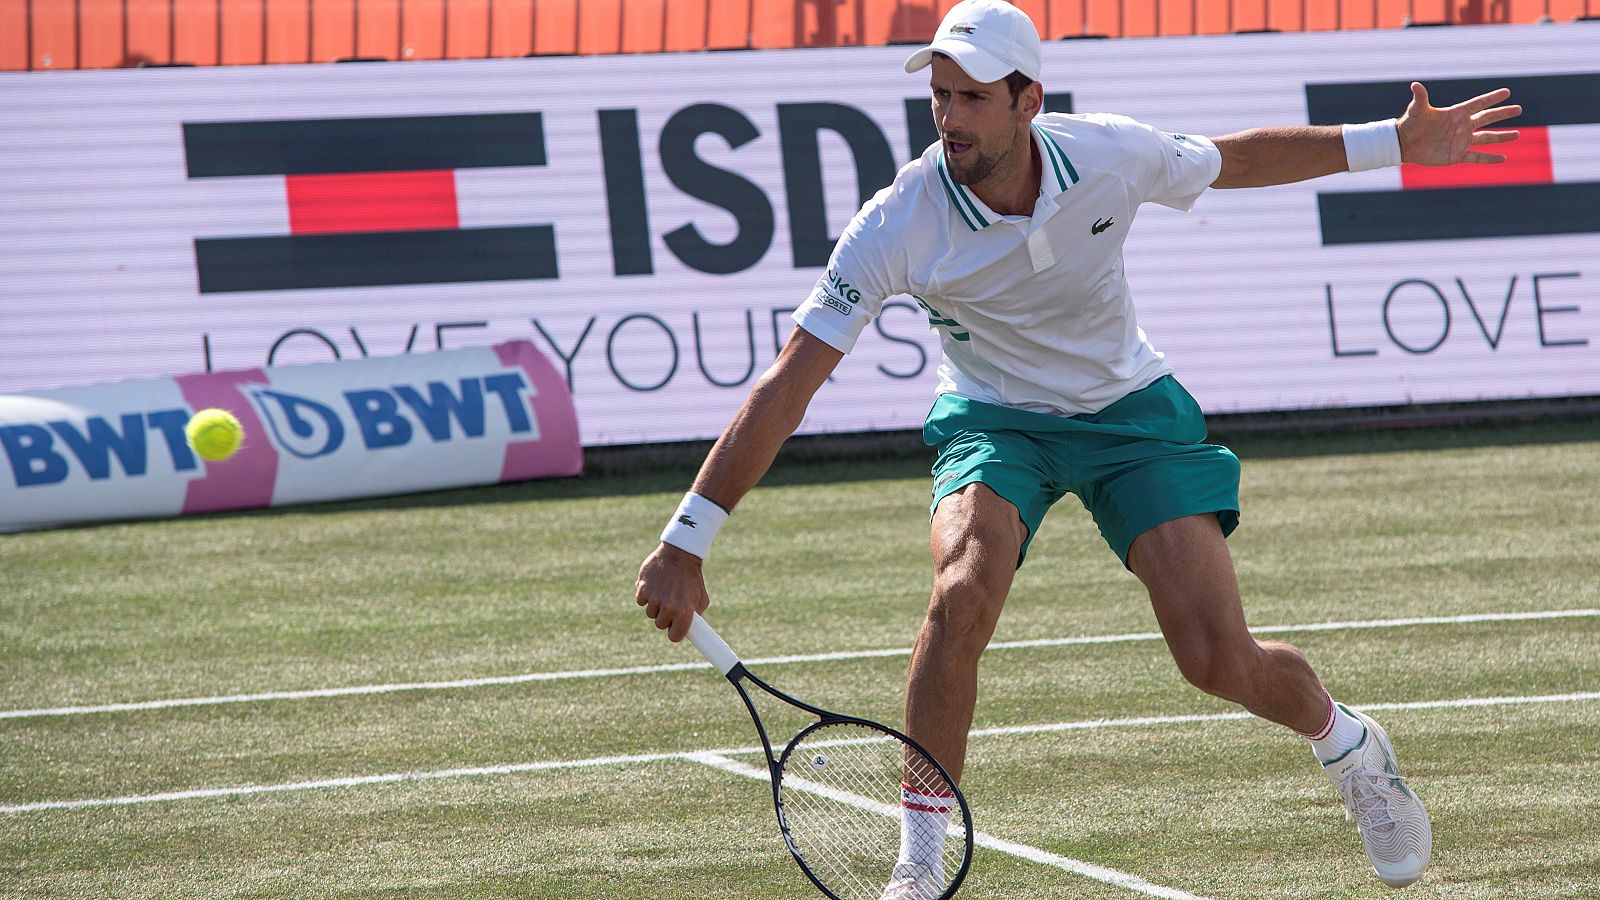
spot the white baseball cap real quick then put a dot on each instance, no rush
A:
(988, 39)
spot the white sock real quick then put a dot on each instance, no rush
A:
(1338, 736)
(924, 819)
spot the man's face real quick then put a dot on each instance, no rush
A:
(977, 122)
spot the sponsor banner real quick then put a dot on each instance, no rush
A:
(371, 201)
(330, 431)
(649, 222)
(1525, 195)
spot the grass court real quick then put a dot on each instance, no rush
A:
(454, 695)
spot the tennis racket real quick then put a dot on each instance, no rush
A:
(841, 788)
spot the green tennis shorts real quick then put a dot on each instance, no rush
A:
(1137, 463)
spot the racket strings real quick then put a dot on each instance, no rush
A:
(850, 792)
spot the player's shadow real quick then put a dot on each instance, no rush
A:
(836, 459)
(670, 469)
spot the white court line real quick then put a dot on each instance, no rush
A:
(982, 839)
(584, 674)
(596, 762)
(356, 781)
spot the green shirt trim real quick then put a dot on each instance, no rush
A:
(1058, 159)
(958, 196)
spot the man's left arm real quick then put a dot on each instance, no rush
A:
(1425, 134)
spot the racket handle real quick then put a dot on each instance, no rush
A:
(712, 646)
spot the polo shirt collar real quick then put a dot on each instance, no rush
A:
(973, 212)
(1058, 176)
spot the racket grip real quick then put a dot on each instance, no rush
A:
(711, 645)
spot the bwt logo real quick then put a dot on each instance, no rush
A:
(41, 454)
(37, 452)
(307, 429)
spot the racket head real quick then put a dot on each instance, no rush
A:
(841, 787)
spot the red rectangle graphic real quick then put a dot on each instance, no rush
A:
(1527, 162)
(372, 201)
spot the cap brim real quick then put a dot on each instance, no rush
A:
(975, 62)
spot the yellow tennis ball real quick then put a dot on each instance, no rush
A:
(214, 434)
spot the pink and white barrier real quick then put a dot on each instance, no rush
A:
(332, 431)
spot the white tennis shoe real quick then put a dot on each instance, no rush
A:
(1394, 826)
(911, 881)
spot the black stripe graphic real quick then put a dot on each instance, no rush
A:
(282, 263)
(1572, 99)
(625, 198)
(400, 144)
(1364, 217)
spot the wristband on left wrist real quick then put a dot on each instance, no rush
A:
(1371, 145)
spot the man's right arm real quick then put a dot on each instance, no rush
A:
(671, 586)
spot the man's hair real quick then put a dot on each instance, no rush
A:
(1016, 82)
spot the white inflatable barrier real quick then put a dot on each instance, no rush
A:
(330, 431)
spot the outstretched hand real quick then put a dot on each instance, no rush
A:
(1432, 136)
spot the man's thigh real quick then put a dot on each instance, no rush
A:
(1143, 461)
(976, 538)
(1171, 482)
(976, 513)
(1008, 466)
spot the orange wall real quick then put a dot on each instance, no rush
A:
(70, 34)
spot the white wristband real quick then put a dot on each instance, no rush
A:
(694, 525)
(1372, 145)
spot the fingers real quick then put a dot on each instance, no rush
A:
(654, 610)
(675, 622)
(667, 618)
(670, 597)
(1498, 114)
(680, 628)
(1479, 107)
(1494, 137)
(1474, 156)
(1484, 101)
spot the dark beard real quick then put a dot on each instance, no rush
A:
(981, 167)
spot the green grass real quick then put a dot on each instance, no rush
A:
(827, 555)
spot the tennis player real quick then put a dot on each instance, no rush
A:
(1009, 231)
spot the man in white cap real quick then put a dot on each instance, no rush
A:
(1009, 232)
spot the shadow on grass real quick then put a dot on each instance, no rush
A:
(631, 471)
(836, 459)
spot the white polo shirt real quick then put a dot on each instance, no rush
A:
(1033, 312)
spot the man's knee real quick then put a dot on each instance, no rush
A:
(963, 618)
(976, 529)
(1227, 673)
(968, 593)
(976, 536)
